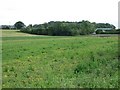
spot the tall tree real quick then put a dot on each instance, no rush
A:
(19, 25)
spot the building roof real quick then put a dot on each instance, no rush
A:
(104, 28)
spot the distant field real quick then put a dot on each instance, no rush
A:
(14, 33)
(59, 61)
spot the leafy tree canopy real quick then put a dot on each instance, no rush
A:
(19, 25)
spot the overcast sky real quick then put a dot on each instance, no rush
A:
(40, 11)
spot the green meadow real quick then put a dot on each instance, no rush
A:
(38, 61)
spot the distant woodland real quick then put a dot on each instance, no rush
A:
(63, 28)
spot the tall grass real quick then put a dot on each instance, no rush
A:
(68, 62)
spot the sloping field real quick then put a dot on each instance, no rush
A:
(59, 61)
(14, 33)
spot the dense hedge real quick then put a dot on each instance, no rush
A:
(61, 28)
(66, 28)
(108, 32)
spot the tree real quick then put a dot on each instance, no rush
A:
(86, 27)
(5, 27)
(19, 25)
(105, 25)
(65, 28)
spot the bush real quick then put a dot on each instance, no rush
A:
(99, 32)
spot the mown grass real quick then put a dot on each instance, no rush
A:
(67, 62)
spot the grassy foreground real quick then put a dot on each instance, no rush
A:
(59, 61)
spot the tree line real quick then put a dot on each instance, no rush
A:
(62, 28)
(17, 25)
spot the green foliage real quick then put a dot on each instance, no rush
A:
(108, 32)
(105, 25)
(68, 28)
(99, 32)
(19, 25)
(5, 27)
(86, 27)
(60, 61)
(61, 28)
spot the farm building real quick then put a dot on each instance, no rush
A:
(103, 29)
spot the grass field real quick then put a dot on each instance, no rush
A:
(59, 61)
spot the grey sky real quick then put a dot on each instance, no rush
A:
(40, 11)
